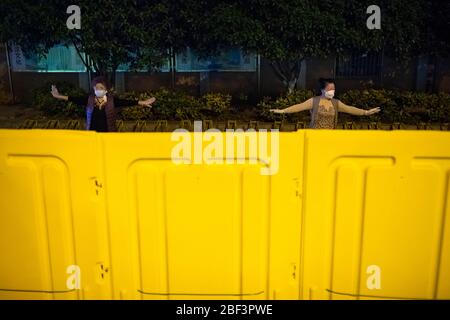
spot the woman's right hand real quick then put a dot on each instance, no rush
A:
(55, 93)
(276, 110)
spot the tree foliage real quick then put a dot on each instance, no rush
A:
(143, 34)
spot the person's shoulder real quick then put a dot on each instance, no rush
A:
(310, 102)
(336, 101)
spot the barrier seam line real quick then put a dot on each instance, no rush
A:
(166, 228)
(37, 291)
(43, 218)
(72, 217)
(373, 296)
(303, 181)
(333, 226)
(200, 294)
(137, 223)
(362, 224)
(268, 229)
(101, 145)
(441, 235)
(241, 235)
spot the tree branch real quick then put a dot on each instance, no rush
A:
(278, 72)
(80, 55)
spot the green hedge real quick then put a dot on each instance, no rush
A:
(284, 101)
(396, 106)
(178, 106)
(168, 105)
(44, 101)
(401, 106)
(171, 105)
(218, 103)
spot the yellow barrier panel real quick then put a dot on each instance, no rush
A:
(376, 204)
(219, 231)
(52, 215)
(346, 214)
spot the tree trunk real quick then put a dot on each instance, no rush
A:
(110, 74)
(288, 72)
(292, 85)
(84, 59)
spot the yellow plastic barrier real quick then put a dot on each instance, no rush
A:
(51, 216)
(201, 231)
(376, 201)
(346, 215)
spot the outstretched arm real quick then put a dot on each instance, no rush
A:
(356, 111)
(307, 105)
(129, 102)
(81, 101)
(118, 102)
(55, 93)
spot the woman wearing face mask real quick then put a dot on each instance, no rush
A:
(324, 108)
(101, 105)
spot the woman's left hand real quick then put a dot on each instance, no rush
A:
(372, 111)
(147, 103)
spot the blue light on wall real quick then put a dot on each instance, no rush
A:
(59, 59)
(66, 59)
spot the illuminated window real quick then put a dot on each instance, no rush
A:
(66, 59)
(126, 68)
(229, 60)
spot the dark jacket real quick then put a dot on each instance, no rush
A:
(110, 108)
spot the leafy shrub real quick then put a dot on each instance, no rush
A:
(176, 105)
(282, 102)
(5, 97)
(396, 106)
(135, 112)
(241, 99)
(401, 106)
(168, 105)
(216, 102)
(441, 110)
(367, 99)
(44, 101)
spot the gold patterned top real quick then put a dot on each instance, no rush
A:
(325, 117)
(326, 112)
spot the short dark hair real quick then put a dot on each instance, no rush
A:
(323, 82)
(102, 80)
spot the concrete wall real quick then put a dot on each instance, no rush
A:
(394, 76)
(25, 82)
(137, 81)
(398, 76)
(319, 68)
(5, 89)
(271, 85)
(442, 76)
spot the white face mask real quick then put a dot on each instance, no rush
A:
(100, 93)
(328, 94)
